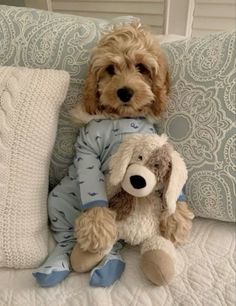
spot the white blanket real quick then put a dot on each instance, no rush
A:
(205, 276)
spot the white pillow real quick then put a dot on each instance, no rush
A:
(30, 100)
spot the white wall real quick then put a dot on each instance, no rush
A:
(182, 17)
(151, 12)
(213, 16)
(178, 17)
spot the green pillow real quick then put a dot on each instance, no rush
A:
(201, 120)
(42, 39)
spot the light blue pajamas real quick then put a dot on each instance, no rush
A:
(97, 142)
(83, 188)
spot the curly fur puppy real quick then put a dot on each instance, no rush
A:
(127, 77)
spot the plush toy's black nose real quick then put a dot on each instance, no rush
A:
(125, 94)
(137, 181)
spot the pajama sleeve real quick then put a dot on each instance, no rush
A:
(89, 175)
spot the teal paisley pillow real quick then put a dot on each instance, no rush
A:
(201, 120)
(41, 39)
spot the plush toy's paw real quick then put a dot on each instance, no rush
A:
(158, 267)
(96, 230)
(84, 261)
(177, 227)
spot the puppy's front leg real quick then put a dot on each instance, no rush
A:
(96, 230)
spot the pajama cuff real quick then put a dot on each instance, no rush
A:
(182, 197)
(100, 203)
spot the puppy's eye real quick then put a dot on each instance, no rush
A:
(140, 157)
(156, 165)
(141, 68)
(110, 69)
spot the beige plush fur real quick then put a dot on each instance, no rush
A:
(176, 227)
(158, 266)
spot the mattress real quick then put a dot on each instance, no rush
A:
(205, 276)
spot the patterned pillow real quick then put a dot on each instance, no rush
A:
(201, 120)
(42, 39)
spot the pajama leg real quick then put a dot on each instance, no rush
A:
(55, 269)
(63, 209)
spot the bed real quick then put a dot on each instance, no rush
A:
(205, 276)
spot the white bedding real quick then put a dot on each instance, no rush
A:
(205, 276)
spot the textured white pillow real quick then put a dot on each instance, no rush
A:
(30, 100)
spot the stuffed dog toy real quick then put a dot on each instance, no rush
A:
(145, 180)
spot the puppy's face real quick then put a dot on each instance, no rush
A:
(127, 75)
(125, 82)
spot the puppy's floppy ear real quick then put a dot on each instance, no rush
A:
(120, 161)
(90, 96)
(161, 85)
(177, 179)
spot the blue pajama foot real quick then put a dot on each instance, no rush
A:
(53, 271)
(52, 279)
(107, 272)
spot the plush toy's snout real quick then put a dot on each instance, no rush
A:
(138, 181)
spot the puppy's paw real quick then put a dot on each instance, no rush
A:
(84, 261)
(96, 230)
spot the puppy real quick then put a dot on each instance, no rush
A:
(126, 90)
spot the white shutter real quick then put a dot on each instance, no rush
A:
(213, 16)
(151, 12)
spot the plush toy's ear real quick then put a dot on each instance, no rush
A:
(120, 161)
(177, 179)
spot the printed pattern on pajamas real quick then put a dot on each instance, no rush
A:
(84, 188)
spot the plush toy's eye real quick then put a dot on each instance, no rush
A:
(140, 157)
(141, 68)
(110, 69)
(156, 165)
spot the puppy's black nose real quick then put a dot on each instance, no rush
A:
(137, 181)
(125, 94)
